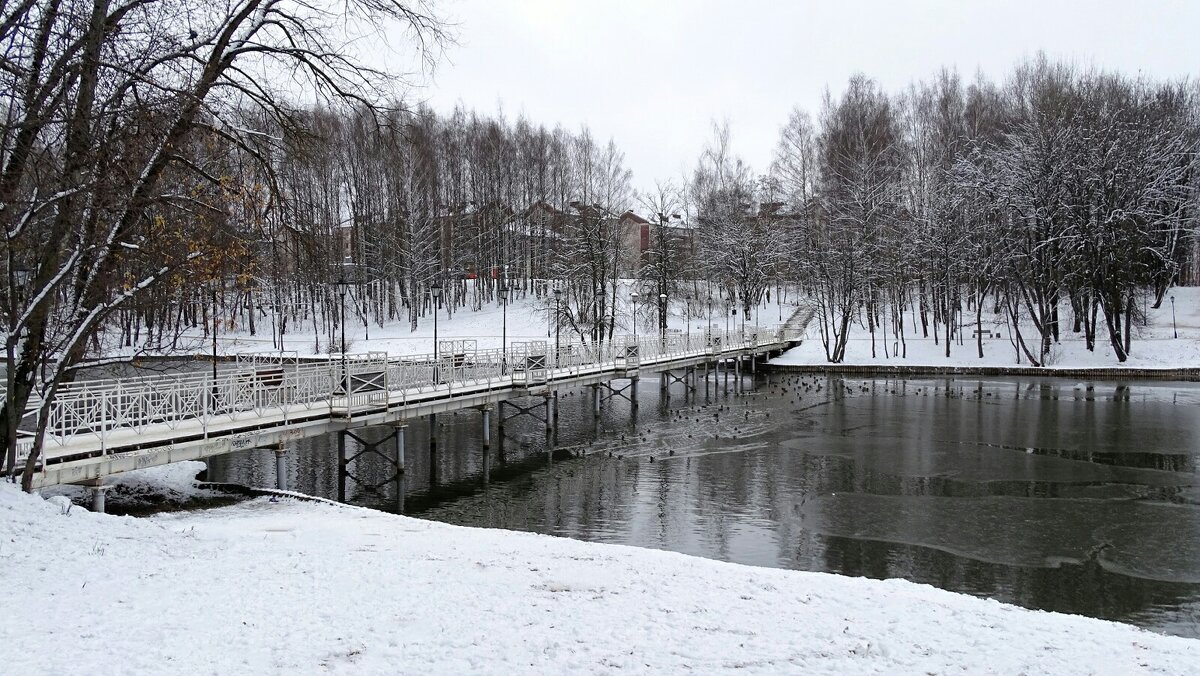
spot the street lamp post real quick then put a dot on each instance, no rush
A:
(708, 326)
(662, 318)
(435, 292)
(728, 305)
(688, 301)
(504, 329)
(214, 331)
(342, 289)
(1174, 328)
(366, 309)
(634, 296)
(742, 312)
(757, 306)
(345, 376)
(557, 325)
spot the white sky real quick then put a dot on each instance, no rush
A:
(653, 75)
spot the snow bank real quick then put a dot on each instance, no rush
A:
(1154, 346)
(301, 587)
(173, 484)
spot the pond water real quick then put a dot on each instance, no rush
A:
(1080, 497)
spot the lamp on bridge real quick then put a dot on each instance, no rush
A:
(213, 291)
(633, 296)
(742, 299)
(503, 293)
(557, 324)
(688, 300)
(728, 304)
(342, 284)
(662, 317)
(708, 330)
(435, 292)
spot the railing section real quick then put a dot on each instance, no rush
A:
(281, 388)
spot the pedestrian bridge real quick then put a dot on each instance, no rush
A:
(103, 427)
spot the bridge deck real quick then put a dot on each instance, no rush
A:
(100, 428)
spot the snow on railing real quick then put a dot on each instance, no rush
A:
(285, 388)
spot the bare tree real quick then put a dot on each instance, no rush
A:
(103, 99)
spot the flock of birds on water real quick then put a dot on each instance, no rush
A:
(732, 417)
(809, 391)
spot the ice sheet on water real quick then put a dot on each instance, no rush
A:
(1156, 541)
(976, 462)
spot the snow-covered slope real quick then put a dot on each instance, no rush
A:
(311, 587)
(1154, 346)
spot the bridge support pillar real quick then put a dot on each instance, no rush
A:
(542, 411)
(688, 380)
(596, 401)
(342, 463)
(633, 395)
(500, 432)
(98, 492)
(401, 435)
(280, 467)
(395, 457)
(487, 442)
(551, 416)
(433, 435)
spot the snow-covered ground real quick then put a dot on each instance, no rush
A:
(299, 586)
(1154, 346)
(527, 319)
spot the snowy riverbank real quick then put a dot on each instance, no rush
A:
(300, 586)
(1155, 346)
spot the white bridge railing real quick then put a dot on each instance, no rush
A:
(89, 416)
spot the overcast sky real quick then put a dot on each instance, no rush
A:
(653, 75)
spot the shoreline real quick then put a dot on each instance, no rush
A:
(1086, 372)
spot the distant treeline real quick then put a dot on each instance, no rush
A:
(1060, 187)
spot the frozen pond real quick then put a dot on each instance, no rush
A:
(1049, 493)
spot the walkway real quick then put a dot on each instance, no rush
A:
(99, 428)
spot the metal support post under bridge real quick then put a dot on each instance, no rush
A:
(395, 459)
